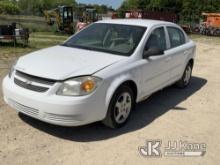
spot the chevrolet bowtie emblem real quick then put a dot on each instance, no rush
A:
(28, 82)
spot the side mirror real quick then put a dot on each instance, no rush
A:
(152, 52)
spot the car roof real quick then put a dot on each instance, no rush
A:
(137, 22)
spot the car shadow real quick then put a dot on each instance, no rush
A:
(145, 113)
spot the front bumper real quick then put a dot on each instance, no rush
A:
(54, 109)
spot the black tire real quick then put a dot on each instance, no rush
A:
(110, 119)
(185, 80)
(217, 32)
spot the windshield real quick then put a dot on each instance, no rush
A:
(111, 38)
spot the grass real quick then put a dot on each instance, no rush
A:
(22, 18)
(33, 23)
(38, 40)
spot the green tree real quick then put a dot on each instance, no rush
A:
(188, 10)
(36, 7)
(8, 7)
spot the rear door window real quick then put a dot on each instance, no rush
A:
(176, 36)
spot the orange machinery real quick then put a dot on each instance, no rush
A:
(212, 19)
(211, 25)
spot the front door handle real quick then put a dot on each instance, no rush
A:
(168, 59)
(185, 53)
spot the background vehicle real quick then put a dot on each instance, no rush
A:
(211, 25)
(164, 15)
(14, 33)
(66, 18)
(62, 17)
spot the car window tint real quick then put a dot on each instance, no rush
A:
(176, 36)
(157, 39)
(93, 35)
(111, 38)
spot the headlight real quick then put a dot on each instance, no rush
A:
(12, 69)
(79, 86)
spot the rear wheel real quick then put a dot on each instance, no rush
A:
(185, 80)
(120, 107)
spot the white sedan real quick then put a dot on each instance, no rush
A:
(101, 72)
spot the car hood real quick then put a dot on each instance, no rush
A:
(61, 62)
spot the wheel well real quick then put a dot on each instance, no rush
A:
(132, 85)
(191, 61)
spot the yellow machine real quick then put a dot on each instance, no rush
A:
(66, 20)
(90, 15)
(62, 16)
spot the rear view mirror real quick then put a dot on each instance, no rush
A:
(152, 52)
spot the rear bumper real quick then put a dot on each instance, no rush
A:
(54, 109)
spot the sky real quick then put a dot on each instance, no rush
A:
(114, 3)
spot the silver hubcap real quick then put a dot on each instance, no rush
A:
(187, 75)
(122, 107)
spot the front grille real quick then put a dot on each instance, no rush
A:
(30, 86)
(24, 109)
(33, 83)
(35, 78)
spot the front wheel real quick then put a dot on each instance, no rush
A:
(120, 107)
(185, 80)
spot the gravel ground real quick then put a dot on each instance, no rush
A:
(191, 115)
